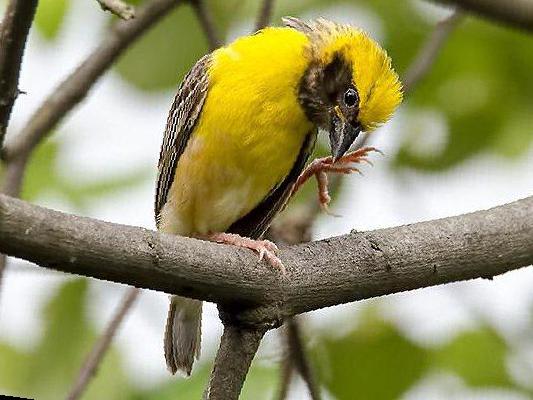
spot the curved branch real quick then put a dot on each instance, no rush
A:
(13, 33)
(517, 13)
(333, 271)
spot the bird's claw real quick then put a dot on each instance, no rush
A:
(265, 248)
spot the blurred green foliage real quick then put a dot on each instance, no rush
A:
(372, 360)
(49, 17)
(481, 85)
(376, 361)
(48, 370)
(44, 175)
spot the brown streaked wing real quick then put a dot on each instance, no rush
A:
(182, 118)
(255, 223)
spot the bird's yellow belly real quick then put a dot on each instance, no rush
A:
(248, 136)
(221, 177)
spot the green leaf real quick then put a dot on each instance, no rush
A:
(372, 362)
(478, 357)
(49, 17)
(160, 59)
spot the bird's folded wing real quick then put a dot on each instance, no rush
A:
(183, 115)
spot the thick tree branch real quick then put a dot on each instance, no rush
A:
(76, 86)
(319, 274)
(517, 13)
(206, 21)
(13, 33)
(118, 7)
(265, 14)
(97, 353)
(235, 354)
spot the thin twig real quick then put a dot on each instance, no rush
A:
(234, 357)
(97, 353)
(265, 14)
(76, 86)
(206, 21)
(297, 357)
(13, 34)
(296, 360)
(286, 372)
(118, 7)
(428, 53)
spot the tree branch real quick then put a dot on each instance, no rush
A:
(75, 87)
(265, 14)
(235, 354)
(517, 13)
(206, 21)
(13, 33)
(97, 353)
(428, 53)
(71, 91)
(118, 7)
(343, 269)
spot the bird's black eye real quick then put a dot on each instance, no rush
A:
(350, 98)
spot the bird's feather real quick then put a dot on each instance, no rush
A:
(181, 121)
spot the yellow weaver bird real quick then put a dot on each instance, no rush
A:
(241, 128)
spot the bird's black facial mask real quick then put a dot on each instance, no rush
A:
(330, 99)
(342, 134)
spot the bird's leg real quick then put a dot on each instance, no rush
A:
(320, 166)
(265, 248)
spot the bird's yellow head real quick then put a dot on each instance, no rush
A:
(349, 86)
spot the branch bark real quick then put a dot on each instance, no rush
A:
(234, 357)
(343, 269)
(118, 7)
(516, 13)
(13, 34)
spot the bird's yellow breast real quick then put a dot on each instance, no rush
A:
(248, 136)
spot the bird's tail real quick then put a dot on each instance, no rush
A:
(182, 334)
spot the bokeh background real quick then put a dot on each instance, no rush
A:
(460, 142)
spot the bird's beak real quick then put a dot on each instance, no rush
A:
(342, 134)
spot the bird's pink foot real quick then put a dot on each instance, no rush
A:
(265, 248)
(321, 166)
